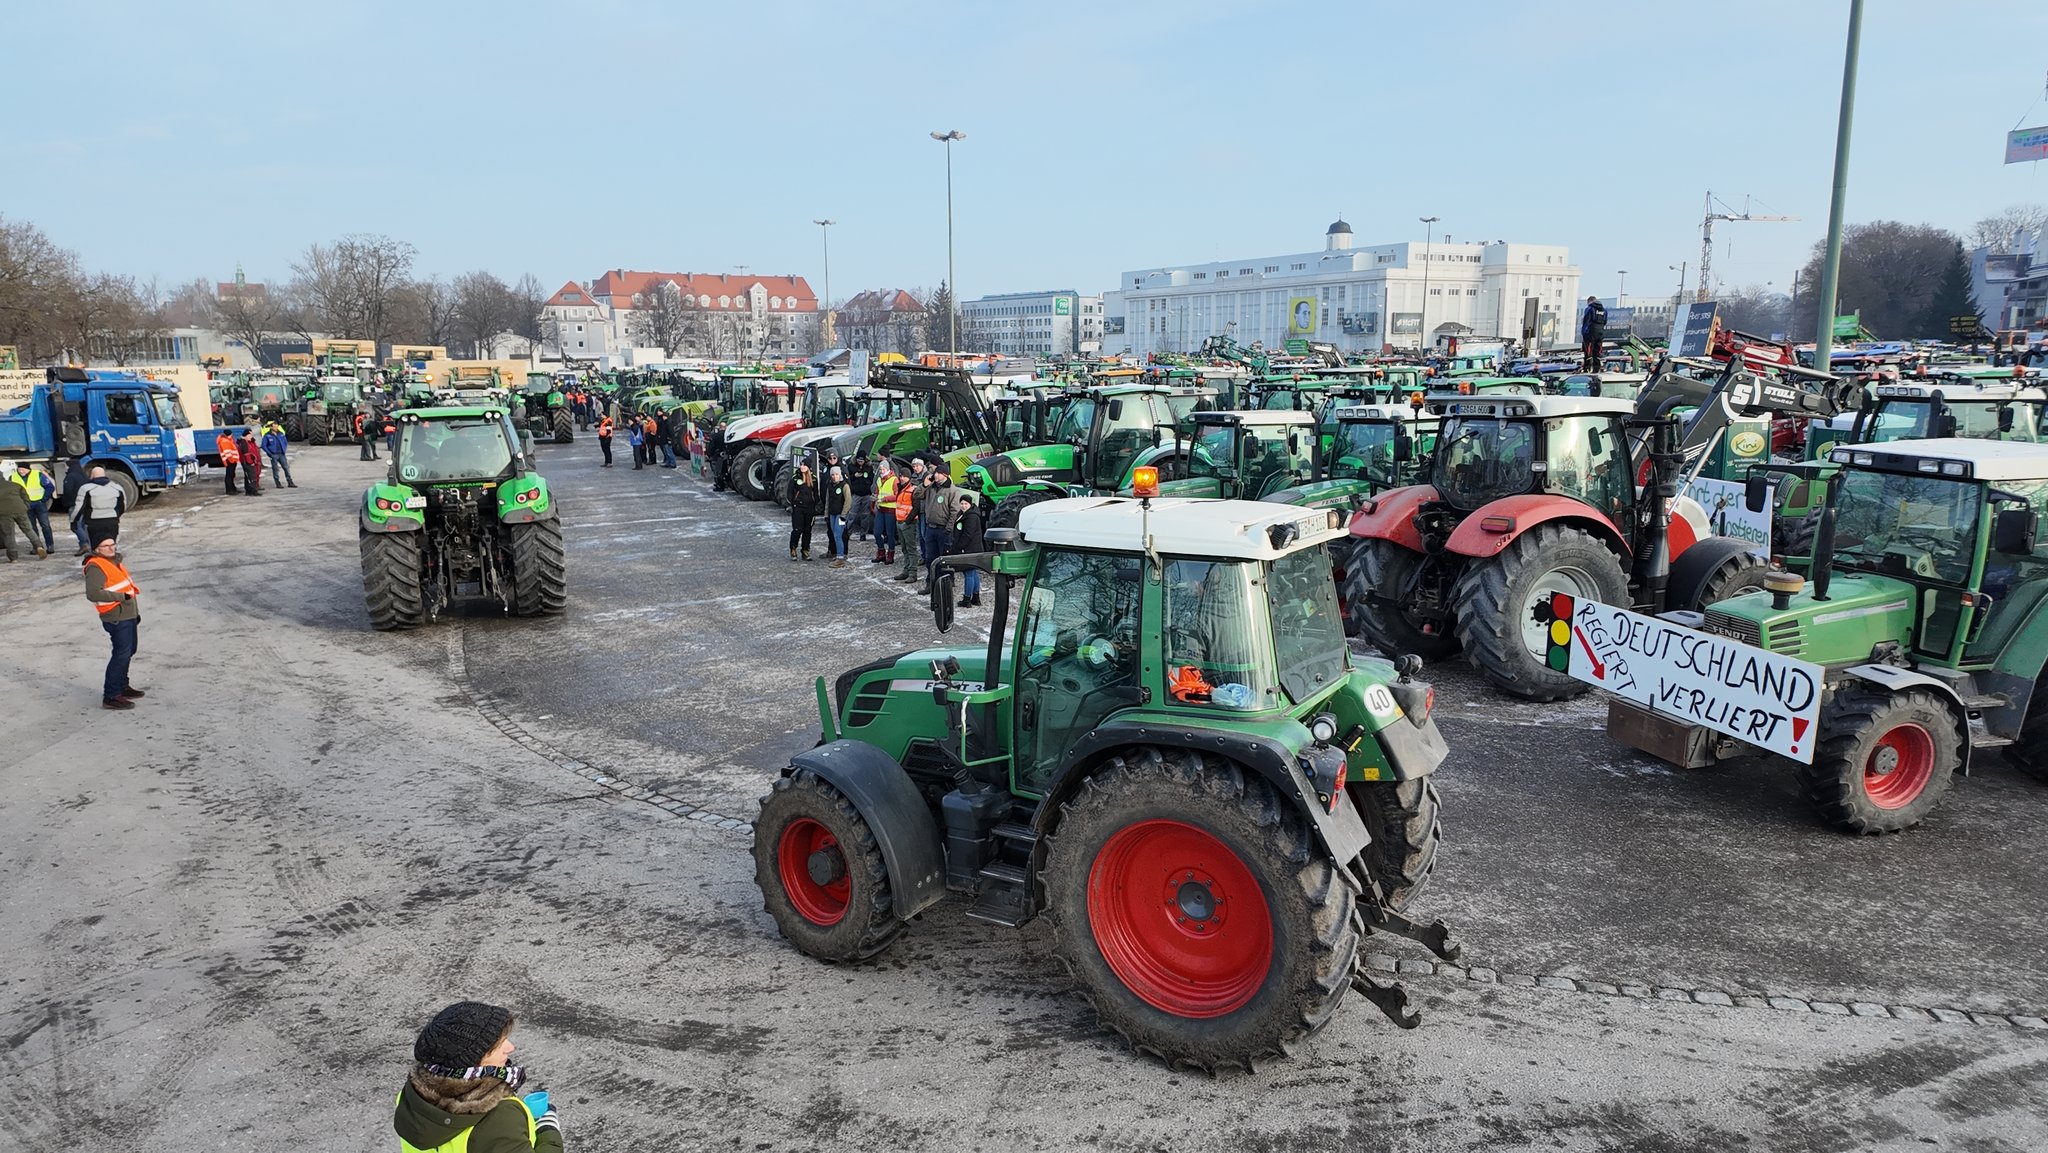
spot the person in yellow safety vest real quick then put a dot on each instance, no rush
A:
(885, 512)
(36, 490)
(230, 456)
(461, 1096)
(112, 591)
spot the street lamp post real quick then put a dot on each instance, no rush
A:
(1428, 236)
(1677, 302)
(825, 234)
(952, 283)
(1621, 288)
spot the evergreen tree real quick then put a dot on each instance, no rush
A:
(939, 313)
(1951, 299)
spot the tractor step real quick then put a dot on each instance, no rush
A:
(1002, 895)
(1009, 831)
(1988, 701)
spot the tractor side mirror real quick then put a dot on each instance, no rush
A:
(1593, 441)
(942, 599)
(2014, 531)
(1756, 492)
(1824, 551)
(1944, 424)
(2005, 418)
(1293, 442)
(1404, 447)
(1116, 408)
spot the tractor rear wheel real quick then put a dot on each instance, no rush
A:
(1406, 824)
(785, 478)
(752, 471)
(391, 580)
(1011, 507)
(2029, 751)
(1385, 568)
(1196, 910)
(821, 873)
(1504, 606)
(294, 426)
(1743, 573)
(564, 427)
(1884, 759)
(540, 569)
(318, 430)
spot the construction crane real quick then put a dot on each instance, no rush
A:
(1706, 288)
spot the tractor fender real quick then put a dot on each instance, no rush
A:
(1691, 570)
(1472, 538)
(891, 805)
(1390, 516)
(1341, 831)
(1894, 679)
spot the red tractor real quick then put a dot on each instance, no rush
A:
(1527, 497)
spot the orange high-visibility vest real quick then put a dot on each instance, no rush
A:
(604, 427)
(225, 445)
(118, 581)
(904, 502)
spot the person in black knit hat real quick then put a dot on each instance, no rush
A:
(462, 1094)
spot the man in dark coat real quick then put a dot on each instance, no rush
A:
(1592, 331)
(966, 541)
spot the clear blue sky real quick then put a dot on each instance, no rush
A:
(177, 139)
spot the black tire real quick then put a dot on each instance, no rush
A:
(391, 580)
(319, 431)
(1310, 904)
(1793, 536)
(785, 478)
(868, 922)
(1406, 822)
(1497, 598)
(752, 472)
(1385, 567)
(564, 427)
(1011, 507)
(1739, 574)
(2029, 751)
(540, 569)
(1854, 786)
(131, 492)
(294, 427)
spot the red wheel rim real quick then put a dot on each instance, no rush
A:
(1180, 919)
(806, 852)
(1899, 767)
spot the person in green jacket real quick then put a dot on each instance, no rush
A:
(461, 1094)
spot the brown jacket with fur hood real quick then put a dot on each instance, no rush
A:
(432, 1111)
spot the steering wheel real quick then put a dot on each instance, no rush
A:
(1098, 652)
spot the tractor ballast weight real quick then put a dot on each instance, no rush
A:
(1190, 776)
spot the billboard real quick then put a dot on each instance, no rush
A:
(1063, 306)
(1301, 316)
(1695, 332)
(1404, 324)
(2024, 144)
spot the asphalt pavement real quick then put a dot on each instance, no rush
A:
(228, 910)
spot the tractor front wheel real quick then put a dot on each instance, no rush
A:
(821, 873)
(1504, 606)
(391, 580)
(1009, 509)
(752, 471)
(1406, 824)
(1383, 569)
(564, 427)
(540, 569)
(2029, 751)
(1196, 910)
(1884, 759)
(318, 430)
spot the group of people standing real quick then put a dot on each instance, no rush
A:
(27, 494)
(244, 450)
(655, 437)
(908, 515)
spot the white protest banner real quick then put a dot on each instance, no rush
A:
(1728, 516)
(1755, 696)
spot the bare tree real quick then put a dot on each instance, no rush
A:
(248, 317)
(1754, 308)
(350, 287)
(528, 300)
(2001, 231)
(426, 311)
(1889, 275)
(483, 309)
(190, 305)
(35, 276)
(664, 319)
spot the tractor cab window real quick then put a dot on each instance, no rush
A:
(1907, 525)
(1270, 465)
(1308, 630)
(1218, 651)
(1589, 460)
(1079, 648)
(1214, 454)
(2016, 584)
(1127, 427)
(469, 448)
(1482, 459)
(1364, 450)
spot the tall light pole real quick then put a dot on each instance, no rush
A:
(1677, 304)
(1621, 288)
(1831, 264)
(952, 283)
(1428, 236)
(825, 234)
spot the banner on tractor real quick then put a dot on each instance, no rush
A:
(1729, 516)
(1695, 332)
(2024, 144)
(1754, 695)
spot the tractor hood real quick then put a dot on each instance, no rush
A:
(803, 439)
(1861, 610)
(769, 426)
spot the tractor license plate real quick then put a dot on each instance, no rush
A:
(1671, 741)
(415, 502)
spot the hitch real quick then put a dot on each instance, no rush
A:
(1435, 936)
(1391, 1000)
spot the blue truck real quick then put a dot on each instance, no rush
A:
(77, 420)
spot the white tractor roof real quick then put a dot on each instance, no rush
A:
(1961, 390)
(1270, 417)
(1178, 526)
(1993, 460)
(1376, 413)
(1526, 404)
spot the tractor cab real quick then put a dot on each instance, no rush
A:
(1489, 449)
(1243, 455)
(1383, 445)
(1298, 391)
(1622, 384)
(1097, 441)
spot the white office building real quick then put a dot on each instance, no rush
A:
(1032, 323)
(1359, 299)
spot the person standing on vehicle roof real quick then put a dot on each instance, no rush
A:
(98, 506)
(462, 1093)
(112, 592)
(37, 489)
(13, 515)
(604, 440)
(907, 492)
(1592, 333)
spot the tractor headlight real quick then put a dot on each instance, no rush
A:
(1323, 727)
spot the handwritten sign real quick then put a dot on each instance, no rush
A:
(1727, 515)
(1757, 697)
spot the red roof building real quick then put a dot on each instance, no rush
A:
(728, 316)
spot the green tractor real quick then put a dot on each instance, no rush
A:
(1170, 752)
(1925, 613)
(545, 410)
(327, 408)
(461, 514)
(1100, 436)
